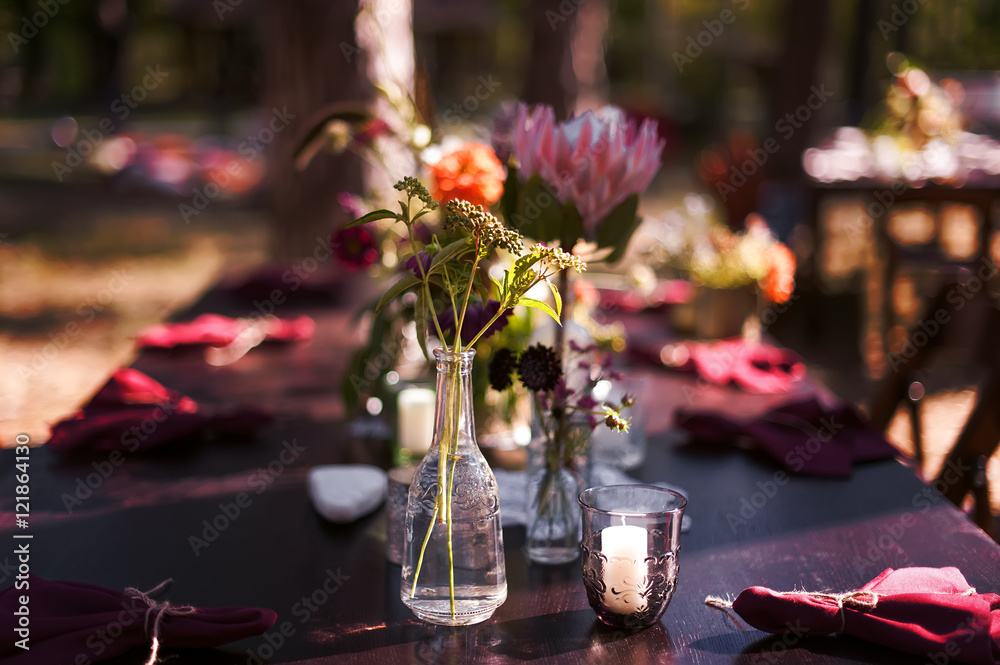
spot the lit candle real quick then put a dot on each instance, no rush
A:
(416, 419)
(625, 572)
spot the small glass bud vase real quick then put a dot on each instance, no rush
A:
(631, 538)
(453, 559)
(558, 470)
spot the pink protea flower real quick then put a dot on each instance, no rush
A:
(596, 160)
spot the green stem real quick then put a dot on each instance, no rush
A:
(423, 548)
(426, 284)
(485, 328)
(465, 301)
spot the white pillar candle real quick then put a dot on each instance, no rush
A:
(625, 572)
(415, 425)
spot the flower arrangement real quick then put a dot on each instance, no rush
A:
(450, 274)
(580, 179)
(566, 416)
(719, 258)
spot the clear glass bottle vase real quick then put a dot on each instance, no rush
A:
(453, 560)
(558, 470)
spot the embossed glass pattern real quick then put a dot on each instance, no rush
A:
(631, 538)
(464, 581)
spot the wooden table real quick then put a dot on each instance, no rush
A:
(337, 598)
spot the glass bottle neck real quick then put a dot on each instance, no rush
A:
(454, 419)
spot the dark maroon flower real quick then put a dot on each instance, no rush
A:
(476, 316)
(503, 364)
(540, 368)
(355, 247)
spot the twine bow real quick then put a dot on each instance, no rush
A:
(866, 600)
(157, 610)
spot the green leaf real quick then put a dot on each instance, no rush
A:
(511, 191)
(452, 251)
(373, 216)
(571, 227)
(501, 287)
(538, 214)
(555, 296)
(538, 304)
(617, 228)
(404, 284)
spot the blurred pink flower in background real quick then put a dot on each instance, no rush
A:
(596, 160)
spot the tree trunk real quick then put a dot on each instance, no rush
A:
(311, 59)
(549, 79)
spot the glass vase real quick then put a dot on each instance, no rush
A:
(558, 470)
(453, 559)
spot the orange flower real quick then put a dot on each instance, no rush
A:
(779, 282)
(472, 172)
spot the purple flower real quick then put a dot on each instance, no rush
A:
(425, 260)
(476, 316)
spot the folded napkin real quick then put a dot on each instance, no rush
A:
(932, 612)
(754, 367)
(671, 292)
(216, 330)
(804, 436)
(133, 411)
(70, 619)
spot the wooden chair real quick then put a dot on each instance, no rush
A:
(964, 471)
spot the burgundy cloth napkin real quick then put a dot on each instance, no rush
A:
(631, 300)
(133, 411)
(932, 612)
(756, 368)
(804, 436)
(216, 330)
(69, 619)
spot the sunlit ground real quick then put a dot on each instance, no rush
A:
(73, 296)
